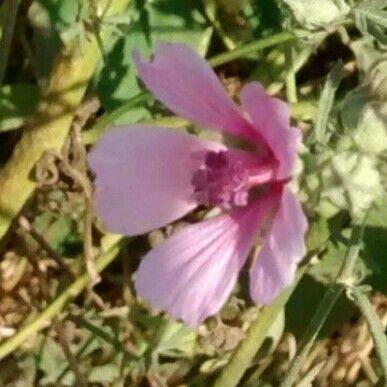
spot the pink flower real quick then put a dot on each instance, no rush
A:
(147, 177)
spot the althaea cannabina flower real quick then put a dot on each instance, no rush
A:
(147, 177)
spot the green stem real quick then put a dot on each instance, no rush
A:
(374, 325)
(326, 304)
(324, 308)
(97, 331)
(210, 10)
(50, 125)
(352, 254)
(42, 320)
(11, 8)
(290, 79)
(281, 37)
(244, 355)
(108, 118)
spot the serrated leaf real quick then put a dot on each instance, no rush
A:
(52, 362)
(360, 179)
(318, 14)
(365, 119)
(350, 181)
(372, 64)
(28, 374)
(371, 11)
(177, 340)
(371, 133)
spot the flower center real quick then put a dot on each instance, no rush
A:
(224, 182)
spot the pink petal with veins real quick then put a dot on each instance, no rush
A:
(143, 176)
(270, 117)
(283, 248)
(192, 274)
(185, 83)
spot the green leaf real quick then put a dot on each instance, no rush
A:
(177, 340)
(274, 335)
(17, 102)
(48, 19)
(372, 64)
(350, 181)
(158, 20)
(60, 12)
(107, 373)
(179, 21)
(325, 271)
(52, 362)
(255, 337)
(318, 234)
(375, 325)
(117, 80)
(318, 14)
(375, 241)
(365, 119)
(326, 101)
(371, 12)
(302, 306)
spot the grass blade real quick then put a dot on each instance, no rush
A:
(374, 325)
(326, 102)
(243, 356)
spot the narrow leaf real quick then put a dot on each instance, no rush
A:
(242, 358)
(326, 101)
(374, 325)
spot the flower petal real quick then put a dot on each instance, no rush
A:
(186, 84)
(283, 248)
(192, 274)
(270, 116)
(143, 176)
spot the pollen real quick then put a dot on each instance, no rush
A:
(221, 182)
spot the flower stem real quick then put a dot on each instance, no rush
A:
(331, 295)
(11, 8)
(326, 304)
(374, 325)
(248, 48)
(243, 356)
(353, 252)
(290, 79)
